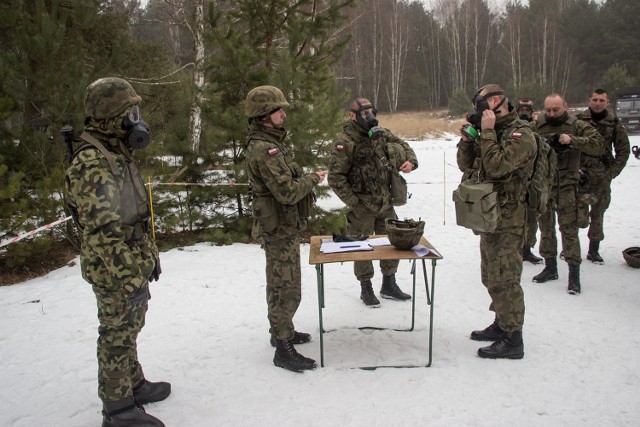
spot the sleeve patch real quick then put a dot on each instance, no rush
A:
(516, 134)
(273, 151)
(339, 147)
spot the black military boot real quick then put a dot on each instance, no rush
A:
(391, 290)
(593, 255)
(125, 413)
(509, 347)
(287, 357)
(574, 279)
(530, 257)
(147, 392)
(367, 295)
(493, 332)
(298, 338)
(550, 271)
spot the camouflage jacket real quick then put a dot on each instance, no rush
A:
(497, 157)
(111, 208)
(278, 183)
(585, 140)
(616, 141)
(359, 167)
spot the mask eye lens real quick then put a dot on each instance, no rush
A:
(134, 114)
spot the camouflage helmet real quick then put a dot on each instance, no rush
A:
(632, 256)
(262, 100)
(404, 234)
(525, 104)
(108, 98)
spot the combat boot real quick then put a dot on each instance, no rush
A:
(527, 255)
(147, 392)
(391, 290)
(287, 357)
(493, 332)
(298, 338)
(367, 295)
(593, 255)
(510, 346)
(125, 413)
(550, 271)
(574, 279)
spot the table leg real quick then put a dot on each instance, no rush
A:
(320, 283)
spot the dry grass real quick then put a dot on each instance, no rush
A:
(420, 124)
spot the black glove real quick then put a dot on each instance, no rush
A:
(140, 297)
(157, 270)
(350, 238)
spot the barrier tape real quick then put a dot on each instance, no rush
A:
(201, 184)
(32, 232)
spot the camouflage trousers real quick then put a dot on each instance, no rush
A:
(282, 251)
(118, 368)
(601, 187)
(501, 269)
(360, 220)
(562, 201)
(531, 230)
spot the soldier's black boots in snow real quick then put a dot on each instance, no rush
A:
(125, 413)
(493, 332)
(367, 296)
(594, 252)
(510, 346)
(574, 279)
(288, 358)
(298, 338)
(550, 271)
(147, 392)
(528, 256)
(391, 290)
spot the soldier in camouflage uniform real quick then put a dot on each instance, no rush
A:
(283, 198)
(525, 112)
(603, 169)
(506, 145)
(570, 138)
(109, 203)
(360, 165)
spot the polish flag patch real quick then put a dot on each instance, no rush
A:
(516, 134)
(273, 151)
(339, 147)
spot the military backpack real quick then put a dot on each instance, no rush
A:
(540, 182)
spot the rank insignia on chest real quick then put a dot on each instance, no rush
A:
(516, 134)
(339, 147)
(273, 151)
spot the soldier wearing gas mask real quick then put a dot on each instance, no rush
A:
(363, 157)
(108, 201)
(492, 149)
(570, 138)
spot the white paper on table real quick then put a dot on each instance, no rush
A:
(335, 247)
(422, 250)
(379, 241)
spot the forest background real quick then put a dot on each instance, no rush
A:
(193, 61)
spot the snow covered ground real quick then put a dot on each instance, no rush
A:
(207, 334)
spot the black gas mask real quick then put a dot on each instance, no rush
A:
(368, 121)
(474, 117)
(138, 136)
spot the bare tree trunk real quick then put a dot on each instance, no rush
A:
(195, 120)
(399, 42)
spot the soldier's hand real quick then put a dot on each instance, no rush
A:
(564, 139)
(406, 167)
(155, 275)
(321, 174)
(140, 297)
(488, 119)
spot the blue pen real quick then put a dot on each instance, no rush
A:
(349, 246)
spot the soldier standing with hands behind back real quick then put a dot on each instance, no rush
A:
(603, 169)
(283, 199)
(110, 205)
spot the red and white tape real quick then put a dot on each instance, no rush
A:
(32, 232)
